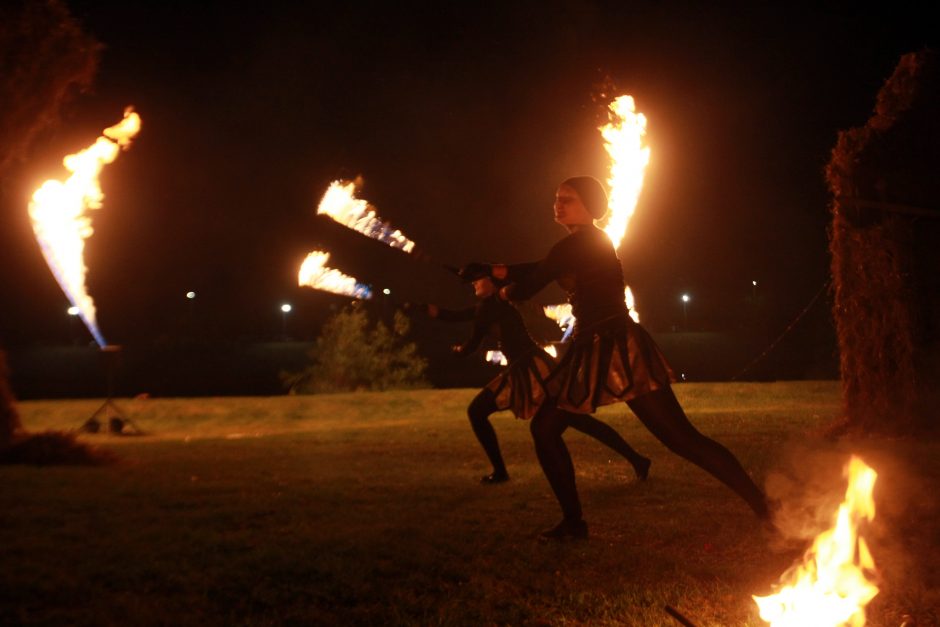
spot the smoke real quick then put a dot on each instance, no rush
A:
(808, 485)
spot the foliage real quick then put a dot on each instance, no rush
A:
(884, 254)
(40, 449)
(45, 58)
(353, 354)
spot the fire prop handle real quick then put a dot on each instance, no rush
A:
(682, 620)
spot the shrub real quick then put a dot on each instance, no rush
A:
(354, 354)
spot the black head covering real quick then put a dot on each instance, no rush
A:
(591, 192)
(473, 271)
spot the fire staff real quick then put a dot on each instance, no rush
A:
(521, 386)
(611, 359)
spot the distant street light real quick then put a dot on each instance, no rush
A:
(685, 310)
(386, 291)
(190, 295)
(754, 290)
(285, 309)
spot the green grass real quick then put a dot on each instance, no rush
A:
(365, 509)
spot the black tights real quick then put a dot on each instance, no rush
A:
(661, 413)
(483, 405)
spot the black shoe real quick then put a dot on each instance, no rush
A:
(642, 469)
(566, 530)
(495, 477)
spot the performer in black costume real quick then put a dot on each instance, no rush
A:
(612, 358)
(521, 386)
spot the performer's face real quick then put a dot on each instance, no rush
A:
(483, 287)
(569, 210)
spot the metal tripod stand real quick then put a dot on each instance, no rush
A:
(109, 413)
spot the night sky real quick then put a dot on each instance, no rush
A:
(462, 118)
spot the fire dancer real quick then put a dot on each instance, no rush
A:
(521, 386)
(612, 358)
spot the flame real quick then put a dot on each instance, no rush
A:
(551, 350)
(340, 203)
(564, 318)
(58, 214)
(624, 139)
(316, 274)
(833, 583)
(629, 301)
(496, 358)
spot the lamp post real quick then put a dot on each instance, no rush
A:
(285, 309)
(685, 310)
(191, 297)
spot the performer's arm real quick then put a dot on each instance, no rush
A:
(483, 318)
(532, 277)
(517, 272)
(452, 315)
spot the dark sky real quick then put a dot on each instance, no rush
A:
(462, 118)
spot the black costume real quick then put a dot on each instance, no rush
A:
(612, 359)
(521, 386)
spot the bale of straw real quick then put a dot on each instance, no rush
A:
(885, 248)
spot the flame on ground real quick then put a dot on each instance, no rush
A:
(58, 214)
(834, 582)
(316, 274)
(340, 203)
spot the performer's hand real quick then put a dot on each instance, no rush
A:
(499, 271)
(504, 292)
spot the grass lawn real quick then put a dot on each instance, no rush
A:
(366, 509)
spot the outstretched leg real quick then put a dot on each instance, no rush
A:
(547, 426)
(607, 435)
(663, 416)
(479, 410)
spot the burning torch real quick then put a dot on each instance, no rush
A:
(61, 222)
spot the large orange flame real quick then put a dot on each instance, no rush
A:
(625, 141)
(58, 214)
(316, 274)
(834, 582)
(340, 203)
